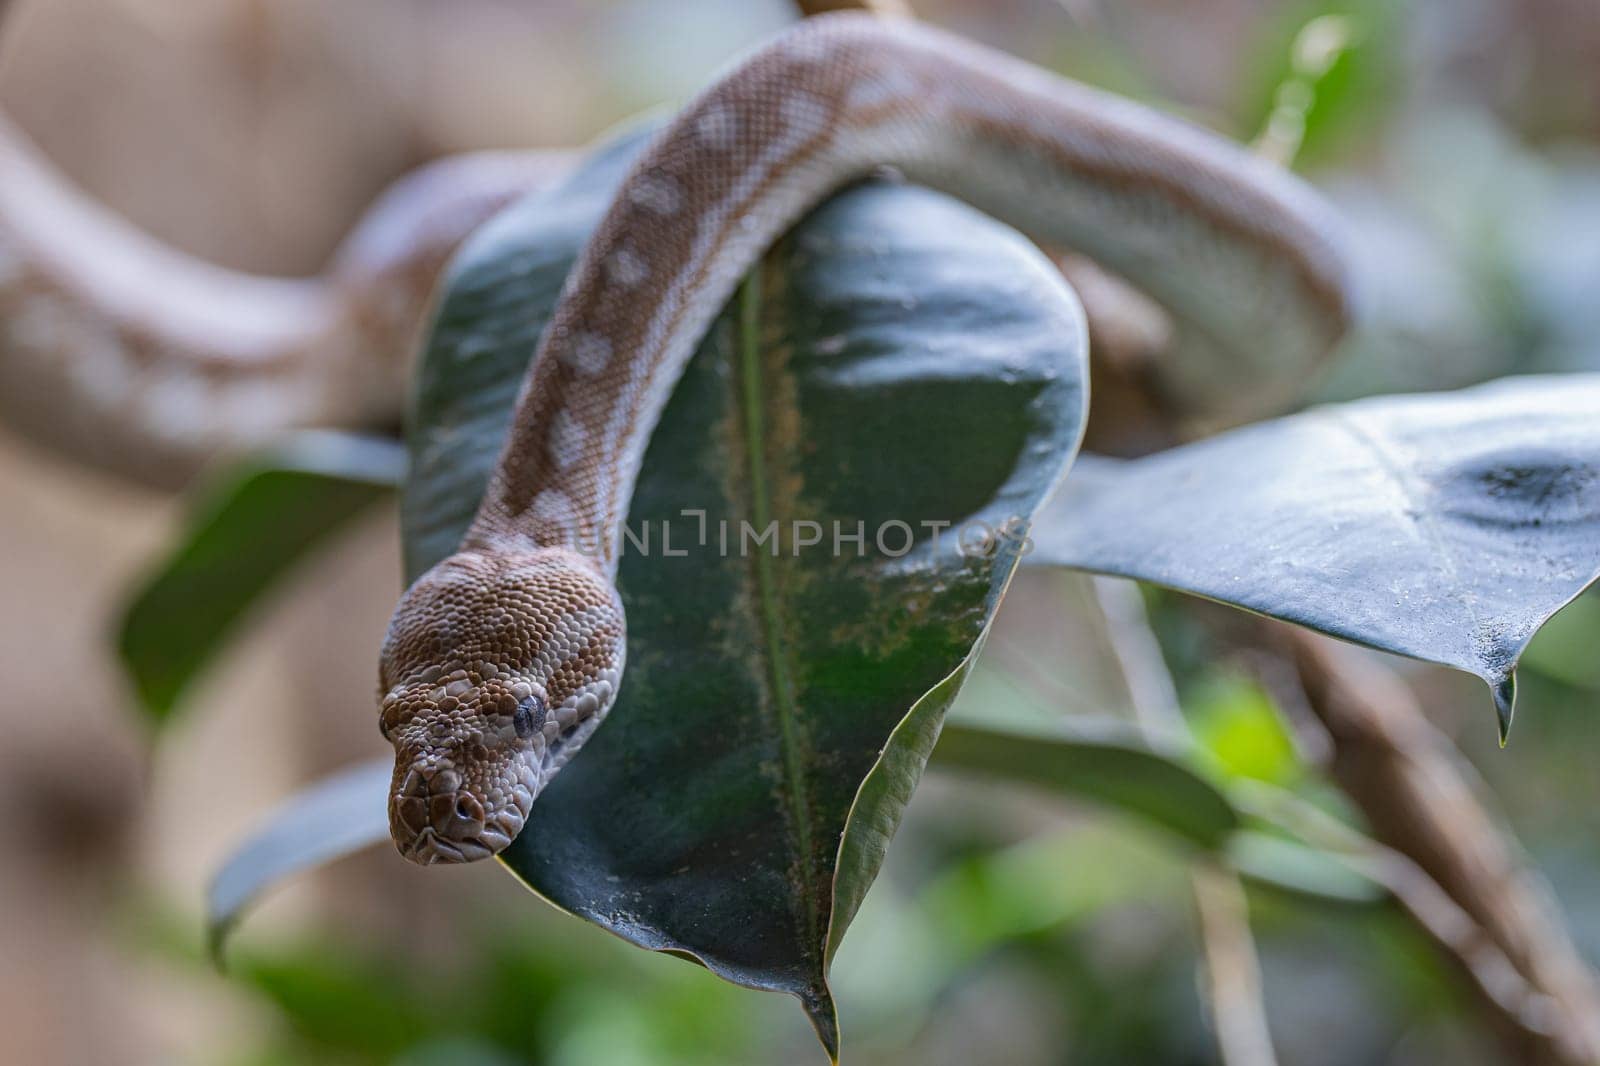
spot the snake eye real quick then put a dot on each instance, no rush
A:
(529, 716)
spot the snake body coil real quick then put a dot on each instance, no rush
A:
(505, 657)
(135, 358)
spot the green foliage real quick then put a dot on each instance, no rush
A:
(1565, 647)
(1240, 731)
(256, 520)
(988, 900)
(895, 357)
(1324, 74)
(529, 996)
(1122, 771)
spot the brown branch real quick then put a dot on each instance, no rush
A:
(1233, 971)
(879, 7)
(1408, 781)
(1130, 339)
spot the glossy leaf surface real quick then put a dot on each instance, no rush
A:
(1445, 527)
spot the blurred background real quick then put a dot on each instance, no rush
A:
(1461, 138)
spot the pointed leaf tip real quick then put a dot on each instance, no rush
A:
(823, 1015)
(1505, 704)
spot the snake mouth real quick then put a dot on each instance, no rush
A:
(429, 848)
(435, 820)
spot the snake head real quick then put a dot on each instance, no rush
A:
(496, 668)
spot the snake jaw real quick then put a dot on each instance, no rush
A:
(429, 849)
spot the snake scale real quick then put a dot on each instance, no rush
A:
(503, 659)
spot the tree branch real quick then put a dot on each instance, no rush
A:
(879, 7)
(1233, 970)
(1408, 781)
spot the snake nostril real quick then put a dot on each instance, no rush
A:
(456, 816)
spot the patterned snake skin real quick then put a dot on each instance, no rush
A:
(503, 659)
(173, 360)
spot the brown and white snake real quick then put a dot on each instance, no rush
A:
(503, 659)
(173, 360)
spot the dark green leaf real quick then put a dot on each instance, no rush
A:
(898, 357)
(1446, 527)
(258, 517)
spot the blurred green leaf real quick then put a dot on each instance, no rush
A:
(777, 710)
(986, 900)
(1239, 730)
(336, 1001)
(1325, 74)
(1445, 527)
(1161, 788)
(1565, 647)
(1292, 866)
(1119, 771)
(509, 988)
(258, 517)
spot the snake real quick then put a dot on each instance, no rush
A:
(502, 660)
(175, 361)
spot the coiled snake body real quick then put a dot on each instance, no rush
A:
(137, 359)
(504, 658)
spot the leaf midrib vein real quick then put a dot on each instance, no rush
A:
(1420, 516)
(790, 732)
